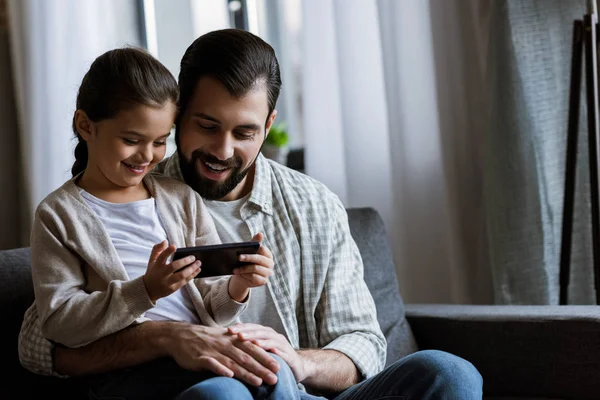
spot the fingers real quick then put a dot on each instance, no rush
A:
(211, 364)
(254, 332)
(163, 257)
(264, 251)
(254, 269)
(157, 249)
(254, 361)
(266, 344)
(180, 278)
(182, 262)
(259, 237)
(257, 259)
(188, 273)
(240, 327)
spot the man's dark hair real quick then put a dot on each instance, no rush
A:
(238, 59)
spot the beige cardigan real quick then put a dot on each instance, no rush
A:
(82, 291)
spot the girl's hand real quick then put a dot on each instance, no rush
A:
(252, 275)
(163, 278)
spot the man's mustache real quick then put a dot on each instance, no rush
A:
(232, 162)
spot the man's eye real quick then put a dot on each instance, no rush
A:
(130, 142)
(207, 127)
(245, 135)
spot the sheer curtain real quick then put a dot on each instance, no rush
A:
(525, 154)
(389, 124)
(52, 44)
(449, 117)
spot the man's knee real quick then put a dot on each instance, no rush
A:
(444, 371)
(285, 372)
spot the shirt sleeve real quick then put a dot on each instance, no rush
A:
(35, 351)
(67, 313)
(346, 313)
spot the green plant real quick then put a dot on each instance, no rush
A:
(278, 135)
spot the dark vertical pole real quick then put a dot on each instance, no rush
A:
(589, 27)
(570, 170)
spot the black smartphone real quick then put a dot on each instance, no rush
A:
(218, 259)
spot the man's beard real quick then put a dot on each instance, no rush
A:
(209, 189)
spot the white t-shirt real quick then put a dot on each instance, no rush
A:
(231, 228)
(134, 229)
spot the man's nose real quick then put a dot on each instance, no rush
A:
(223, 147)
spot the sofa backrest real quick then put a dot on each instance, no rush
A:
(16, 291)
(370, 236)
(16, 295)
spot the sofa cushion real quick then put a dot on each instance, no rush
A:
(16, 294)
(370, 236)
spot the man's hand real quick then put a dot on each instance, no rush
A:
(276, 343)
(199, 348)
(255, 274)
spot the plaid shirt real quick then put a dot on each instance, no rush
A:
(322, 298)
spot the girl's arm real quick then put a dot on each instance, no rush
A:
(68, 314)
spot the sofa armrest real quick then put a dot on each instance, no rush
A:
(543, 351)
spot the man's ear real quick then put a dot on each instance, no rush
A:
(270, 122)
(85, 127)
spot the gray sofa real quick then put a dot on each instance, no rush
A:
(528, 352)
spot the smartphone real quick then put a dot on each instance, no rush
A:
(218, 259)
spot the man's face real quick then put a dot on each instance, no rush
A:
(220, 137)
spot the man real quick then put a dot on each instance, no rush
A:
(315, 313)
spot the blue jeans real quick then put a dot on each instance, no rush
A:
(164, 379)
(424, 375)
(222, 388)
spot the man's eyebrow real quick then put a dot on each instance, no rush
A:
(249, 127)
(205, 116)
(134, 133)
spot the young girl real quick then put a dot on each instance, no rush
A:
(100, 243)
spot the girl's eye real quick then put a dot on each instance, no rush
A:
(161, 143)
(130, 142)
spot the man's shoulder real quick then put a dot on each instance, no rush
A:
(303, 195)
(298, 182)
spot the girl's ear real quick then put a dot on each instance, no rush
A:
(85, 127)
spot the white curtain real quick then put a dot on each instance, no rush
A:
(52, 45)
(393, 107)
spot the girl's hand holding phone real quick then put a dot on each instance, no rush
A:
(256, 273)
(162, 277)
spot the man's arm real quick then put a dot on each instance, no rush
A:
(323, 371)
(329, 371)
(193, 347)
(132, 346)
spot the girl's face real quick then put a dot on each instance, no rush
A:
(123, 149)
